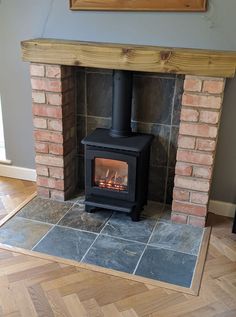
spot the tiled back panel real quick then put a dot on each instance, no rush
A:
(155, 109)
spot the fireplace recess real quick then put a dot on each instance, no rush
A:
(117, 160)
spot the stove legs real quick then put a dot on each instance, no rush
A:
(135, 213)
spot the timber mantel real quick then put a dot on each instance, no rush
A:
(130, 57)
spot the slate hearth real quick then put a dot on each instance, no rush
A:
(154, 247)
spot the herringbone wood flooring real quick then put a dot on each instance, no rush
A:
(31, 286)
(12, 193)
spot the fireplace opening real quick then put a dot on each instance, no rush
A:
(117, 159)
(111, 174)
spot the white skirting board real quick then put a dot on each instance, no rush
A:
(18, 172)
(222, 208)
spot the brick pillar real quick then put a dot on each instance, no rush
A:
(200, 114)
(54, 129)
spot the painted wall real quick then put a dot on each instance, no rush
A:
(25, 19)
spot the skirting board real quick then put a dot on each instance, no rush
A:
(18, 172)
(222, 208)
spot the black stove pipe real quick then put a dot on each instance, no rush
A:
(121, 105)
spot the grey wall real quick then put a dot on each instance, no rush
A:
(26, 19)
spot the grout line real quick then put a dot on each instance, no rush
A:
(32, 249)
(53, 226)
(89, 248)
(76, 229)
(136, 267)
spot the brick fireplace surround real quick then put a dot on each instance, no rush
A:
(53, 94)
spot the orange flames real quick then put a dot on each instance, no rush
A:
(112, 181)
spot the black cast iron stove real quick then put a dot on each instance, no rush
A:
(117, 160)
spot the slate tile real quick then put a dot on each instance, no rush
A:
(160, 143)
(22, 233)
(45, 210)
(120, 225)
(157, 182)
(170, 185)
(66, 243)
(81, 133)
(114, 254)
(80, 93)
(153, 210)
(178, 99)
(167, 266)
(99, 94)
(177, 237)
(152, 99)
(79, 219)
(81, 174)
(173, 146)
(96, 122)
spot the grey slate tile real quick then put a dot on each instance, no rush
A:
(114, 254)
(121, 225)
(44, 210)
(167, 266)
(23, 233)
(177, 237)
(79, 219)
(66, 243)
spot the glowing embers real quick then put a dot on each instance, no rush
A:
(111, 174)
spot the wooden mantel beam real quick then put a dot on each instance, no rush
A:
(130, 57)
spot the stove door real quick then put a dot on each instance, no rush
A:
(111, 174)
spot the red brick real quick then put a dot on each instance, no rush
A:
(43, 192)
(214, 86)
(199, 198)
(203, 172)
(192, 84)
(179, 218)
(47, 111)
(197, 221)
(57, 149)
(41, 147)
(205, 145)
(56, 172)
(37, 70)
(40, 123)
(189, 208)
(190, 115)
(48, 136)
(186, 142)
(49, 160)
(194, 157)
(183, 169)
(54, 85)
(202, 101)
(192, 183)
(38, 97)
(55, 125)
(58, 195)
(211, 117)
(182, 195)
(54, 99)
(53, 71)
(50, 182)
(42, 170)
(195, 129)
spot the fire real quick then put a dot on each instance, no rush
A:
(112, 181)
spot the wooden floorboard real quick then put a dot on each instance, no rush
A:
(30, 286)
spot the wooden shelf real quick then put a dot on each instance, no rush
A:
(130, 57)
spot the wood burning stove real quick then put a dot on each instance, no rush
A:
(117, 160)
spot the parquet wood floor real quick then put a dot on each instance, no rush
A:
(12, 193)
(31, 286)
